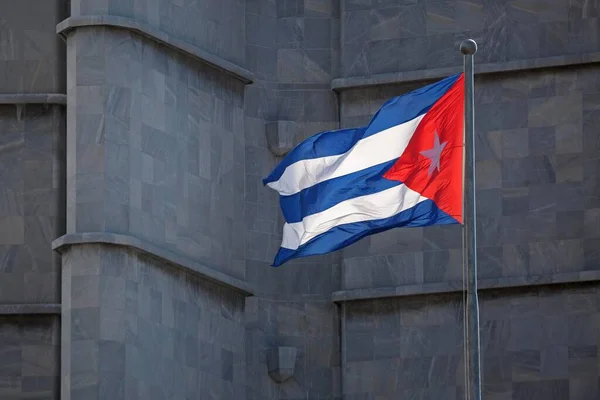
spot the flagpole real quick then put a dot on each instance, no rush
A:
(468, 48)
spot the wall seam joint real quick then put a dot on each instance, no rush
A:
(457, 286)
(33, 98)
(356, 82)
(30, 309)
(71, 23)
(62, 243)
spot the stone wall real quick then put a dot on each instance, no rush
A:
(157, 147)
(537, 343)
(32, 56)
(537, 186)
(387, 36)
(29, 357)
(157, 186)
(138, 328)
(312, 328)
(32, 153)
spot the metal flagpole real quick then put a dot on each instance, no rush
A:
(468, 48)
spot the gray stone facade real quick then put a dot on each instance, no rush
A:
(135, 328)
(136, 236)
(539, 343)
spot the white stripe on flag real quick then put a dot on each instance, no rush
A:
(376, 149)
(384, 204)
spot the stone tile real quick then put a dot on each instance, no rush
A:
(320, 106)
(515, 172)
(12, 230)
(355, 60)
(541, 110)
(515, 143)
(319, 65)
(317, 34)
(489, 174)
(515, 201)
(290, 32)
(570, 224)
(441, 17)
(541, 170)
(526, 365)
(569, 168)
(385, 23)
(441, 51)
(358, 4)
(470, 15)
(85, 324)
(320, 8)
(290, 8)
(30, 364)
(583, 388)
(542, 141)
(554, 362)
(490, 262)
(357, 25)
(591, 219)
(382, 56)
(591, 193)
(417, 48)
(441, 265)
(553, 389)
(442, 237)
(570, 196)
(287, 60)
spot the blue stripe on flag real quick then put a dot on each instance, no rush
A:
(394, 112)
(329, 143)
(326, 194)
(423, 214)
(404, 108)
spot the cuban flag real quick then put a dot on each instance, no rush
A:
(404, 169)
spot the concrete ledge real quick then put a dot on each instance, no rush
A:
(29, 309)
(33, 98)
(457, 286)
(480, 69)
(75, 239)
(159, 36)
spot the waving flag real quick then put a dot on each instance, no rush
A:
(405, 168)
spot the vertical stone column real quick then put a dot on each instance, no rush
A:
(153, 272)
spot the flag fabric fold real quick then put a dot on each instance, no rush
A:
(403, 169)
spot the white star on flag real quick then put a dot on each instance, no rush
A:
(434, 154)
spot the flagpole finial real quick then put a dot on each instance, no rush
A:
(468, 47)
